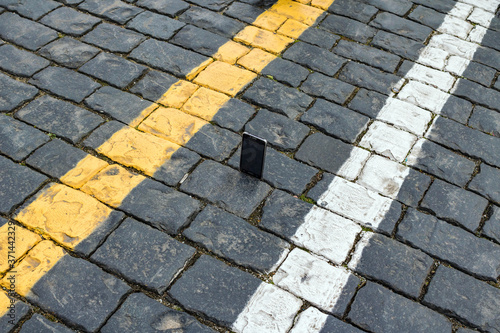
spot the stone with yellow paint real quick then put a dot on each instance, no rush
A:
(323, 4)
(11, 310)
(294, 10)
(269, 21)
(198, 69)
(113, 184)
(34, 266)
(256, 60)
(15, 241)
(292, 28)
(83, 171)
(205, 103)
(173, 125)
(225, 78)
(263, 39)
(178, 94)
(230, 52)
(70, 217)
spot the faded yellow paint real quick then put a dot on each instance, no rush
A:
(205, 103)
(230, 52)
(21, 242)
(64, 214)
(269, 21)
(256, 60)
(297, 11)
(139, 150)
(83, 171)
(173, 125)
(143, 115)
(305, 2)
(178, 94)
(113, 184)
(292, 28)
(323, 4)
(198, 69)
(225, 78)
(34, 266)
(263, 39)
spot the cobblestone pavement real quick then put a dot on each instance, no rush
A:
(122, 208)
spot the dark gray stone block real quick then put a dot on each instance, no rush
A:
(349, 28)
(33, 9)
(236, 240)
(399, 266)
(79, 283)
(462, 296)
(427, 16)
(156, 25)
(443, 6)
(113, 38)
(335, 120)
(216, 5)
(277, 97)
(140, 313)
(19, 62)
(413, 188)
(378, 309)
(215, 290)
(492, 226)
(485, 120)
(398, 7)
(368, 102)
(61, 118)
(198, 40)
(167, 57)
(243, 12)
(402, 46)
(327, 87)
(401, 26)
(70, 21)
(214, 142)
(227, 188)
(368, 55)
(210, 21)
(487, 56)
(332, 324)
(234, 114)
(38, 323)
(113, 69)
(491, 38)
(171, 8)
(457, 109)
(8, 319)
(286, 72)
(179, 164)
(69, 52)
(154, 85)
(462, 249)
(25, 33)
(319, 37)
(114, 10)
(278, 130)
(354, 9)
(143, 255)
(479, 73)
(487, 182)
(18, 140)
(65, 83)
(314, 57)
(14, 93)
(368, 77)
(478, 94)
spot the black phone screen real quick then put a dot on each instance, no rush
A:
(253, 150)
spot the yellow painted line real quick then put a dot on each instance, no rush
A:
(15, 241)
(69, 213)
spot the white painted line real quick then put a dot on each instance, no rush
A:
(358, 252)
(310, 321)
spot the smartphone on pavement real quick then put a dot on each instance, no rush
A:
(253, 153)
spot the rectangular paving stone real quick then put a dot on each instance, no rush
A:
(236, 240)
(464, 139)
(456, 204)
(65, 83)
(78, 284)
(7, 319)
(216, 5)
(61, 118)
(119, 105)
(277, 97)
(167, 57)
(69, 52)
(466, 298)
(140, 313)
(368, 102)
(227, 188)
(443, 6)
(113, 69)
(487, 183)
(210, 21)
(214, 142)
(286, 72)
(18, 140)
(399, 45)
(368, 55)
(14, 93)
(143, 255)
(23, 32)
(335, 120)
(396, 265)
(156, 25)
(378, 309)
(486, 56)
(115, 10)
(427, 16)
(441, 162)
(479, 73)
(398, 7)
(31, 9)
(477, 93)
(368, 77)
(400, 26)
(17, 183)
(349, 28)
(171, 8)
(38, 323)
(243, 12)
(113, 38)
(199, 40)
(234, 114)
(278, 130)
(354, 9)
(478, 256)
(19, 62)
(319, 37)
(457, 109)
(70, 21)
(315, 58)
(154, 85)
(311, 318)
(327, 87)
(492, 226)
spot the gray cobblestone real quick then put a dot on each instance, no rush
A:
(70, 21)
(14, 93)
(234, 114)
(327, 87)
(349, 28)
(156, 25)
(33, 9)
(154, 85)
(488, 57)
(368, 77)
(213, 22)
(113, 38)
(315, 58)
(69, 52)
(485, 120)
(427, 16)
(18, 140)
(6, 322)
(114, 10)
(243, 12)
(399, 45)
(23, 32)
(198, 40)
(368, 102)
(492, 226)
(479, 73)
(457, 109)
(443, 6)
(398, 7)
(354, 9)
(319, 37)
(286, 72)
(212, 4)
(38, 323)
(171, 8)
(400, 26)
(214, 142)
(478, 93)
(487, 182)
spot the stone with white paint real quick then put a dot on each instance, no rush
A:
(270, 309)
(457, 65)
(480, 16)
(423, 95)
(405, 116)
(477, 34)
(439, 79)
(434, 57)
(328, 287)
(455, 26)
(314, 321)
(461, 10)
(453, 45)
(388, 141)
(352, 166)
(489, 5)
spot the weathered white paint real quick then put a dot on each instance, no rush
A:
(358, 252)
(310, 321)
(405, 116)
(434, 77)
(353, 165)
